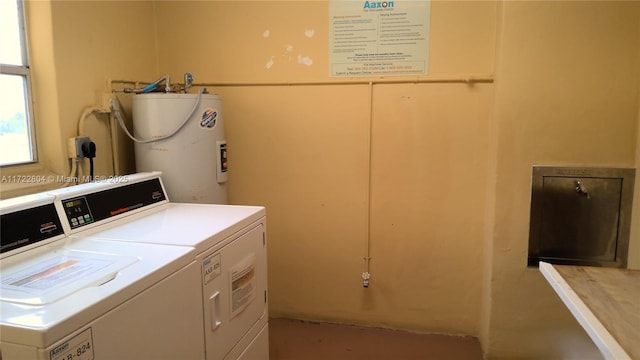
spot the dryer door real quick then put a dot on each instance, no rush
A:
(235, 285)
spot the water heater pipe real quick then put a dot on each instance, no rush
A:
(115, 106)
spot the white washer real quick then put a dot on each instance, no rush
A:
(230, 252)
(84, 299)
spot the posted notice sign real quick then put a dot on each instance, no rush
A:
(378, 38)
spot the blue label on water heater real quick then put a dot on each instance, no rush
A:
(209, 117)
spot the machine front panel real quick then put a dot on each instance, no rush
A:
(235, 299)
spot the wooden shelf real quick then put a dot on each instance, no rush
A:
(605, 301)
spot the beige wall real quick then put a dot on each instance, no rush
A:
(402, 167)
(431, 179)
(449, 181)
(224, 41)
(429, 172)
(634, 245)
(75, 49)
(566, 94)
(95, 42)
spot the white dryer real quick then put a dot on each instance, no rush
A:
(230, 253)
(85, 299)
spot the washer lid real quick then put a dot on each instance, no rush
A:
(195, 225)
(42, 325)
(49, 277)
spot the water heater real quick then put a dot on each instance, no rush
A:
(183, 136)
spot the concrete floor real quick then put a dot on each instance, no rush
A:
(300, 340)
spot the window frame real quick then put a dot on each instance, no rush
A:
(24, 71)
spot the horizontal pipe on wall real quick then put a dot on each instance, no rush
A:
(470, 80)
(442, 80)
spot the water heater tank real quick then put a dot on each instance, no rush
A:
(194, 160)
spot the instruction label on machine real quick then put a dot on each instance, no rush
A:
(243, 289)
(79, 347)
(211, 268)
(54, 273)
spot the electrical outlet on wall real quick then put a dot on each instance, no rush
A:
(74, 146)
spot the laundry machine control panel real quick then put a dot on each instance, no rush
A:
(94, 205)
(29, 226)
(77, 211)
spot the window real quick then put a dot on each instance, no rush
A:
(17, 135)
